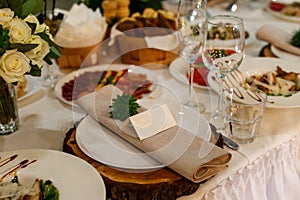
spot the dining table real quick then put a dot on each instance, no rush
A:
(268, 168)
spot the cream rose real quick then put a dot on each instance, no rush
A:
(6, 16)
(13, 66)
(19, 31)
(38, 53)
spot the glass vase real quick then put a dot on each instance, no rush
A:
(9, 116)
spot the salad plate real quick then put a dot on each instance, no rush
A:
(73, 177)
(179, 70)
(283, 54)
(96, 141)
(280, 15)
(256, 66)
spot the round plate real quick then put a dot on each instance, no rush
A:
(179, 68)
(73, 177)
(133, 69)
(33, 85)
(282, 16)
(283, 54)
(108, 148)
(252, 66)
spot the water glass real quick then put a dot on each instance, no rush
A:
(244, 110)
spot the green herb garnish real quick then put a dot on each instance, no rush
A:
(217, 53)
(123, 106)
(295, 40)
(49, 191)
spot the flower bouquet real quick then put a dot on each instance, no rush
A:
(25, 44)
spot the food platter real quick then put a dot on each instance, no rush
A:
(96, 141)
(33, 85)
(251, 66)
(283, 54)
(280, 15)
(64, 170)
(117, 67)
(179, 68)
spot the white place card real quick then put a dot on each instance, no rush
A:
(148, 123)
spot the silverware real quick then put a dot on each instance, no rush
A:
(227, 141)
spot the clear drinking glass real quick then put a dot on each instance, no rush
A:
(191, 17)
(244, 110)
(223, 52)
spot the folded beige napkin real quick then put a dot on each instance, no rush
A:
(278, 38)
(180, 150)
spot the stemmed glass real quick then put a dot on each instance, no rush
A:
(223, 52)
(191, 16)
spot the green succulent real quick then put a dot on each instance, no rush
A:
(295, 40)
(123, 106)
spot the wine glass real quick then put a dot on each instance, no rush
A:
(191, 16)
(223, 52)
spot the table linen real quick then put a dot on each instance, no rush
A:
(267, 169)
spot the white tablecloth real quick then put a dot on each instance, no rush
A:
(266, 169)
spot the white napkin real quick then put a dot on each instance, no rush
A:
(83, 27)
(278, 38)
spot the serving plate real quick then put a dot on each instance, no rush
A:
(73, 177)
(252, 66)
(103, 145)
(132, 69)
(283, 54)
(33, 85)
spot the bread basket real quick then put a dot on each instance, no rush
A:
(74, 57)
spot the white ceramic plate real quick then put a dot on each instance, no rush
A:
(33, 85)
(178, 69)
(74, 178)
(282, 16)
(106, 147)
(252, 66)
(283, 54)
(133, 69)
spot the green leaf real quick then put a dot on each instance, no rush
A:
(55, 52)
(3, 4)
(15, 5)
(23, 47)
(38, 7)
(31, 7)
(32, 27)
(35, 71)
(4, 40)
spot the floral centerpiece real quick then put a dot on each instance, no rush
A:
(25, 44)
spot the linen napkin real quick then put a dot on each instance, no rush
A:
(278, 38)
(180, 150)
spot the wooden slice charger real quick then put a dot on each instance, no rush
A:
(159, 184)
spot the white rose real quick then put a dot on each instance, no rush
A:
(13, 66)
(6, 16)
(39, 27)
(19, 31)
(38, 53)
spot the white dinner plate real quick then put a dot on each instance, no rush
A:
(133, 69)
(279, 15)
(283, 54)
(73, 177)
(33, 85)
(251, 66)
(179, 68)
(108, 148)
